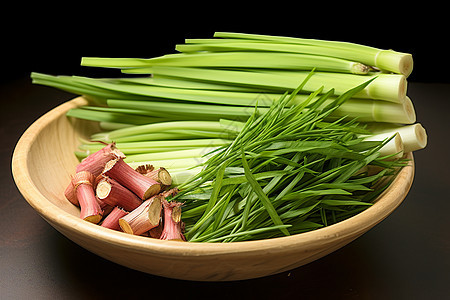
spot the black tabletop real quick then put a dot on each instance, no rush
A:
(406, 256)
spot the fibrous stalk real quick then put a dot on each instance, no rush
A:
(414, 137)
(90, 207)
(172, 230)
(143, 218)
(112, 220)
(113, 193)
(393, 148)
(70, 194)
(160, 174)
(143, 186)
(95, 163)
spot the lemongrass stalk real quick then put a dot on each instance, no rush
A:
(173, 163)
(384, 87)
(191, 41)
(163, 126)
(169, 82)
(138, 91)
(135, 113)
(173, 135)
(109, 126)
(377, 111)
(414, 137)
(393, 61)
(193, 110)
(366, 110)
(393, 148)
(268, 60)
(389, 87)
(113, 62)
(67, 83)
(190, 153)
(159, 146)
(111, 116)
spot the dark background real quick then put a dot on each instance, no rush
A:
(407, 256)
(53, 39)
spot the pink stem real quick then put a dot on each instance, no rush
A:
(143, 218)
(172, 230)
(71, 195)
(139, 184)
(112, 220)
(113, 193)
(89, 205)
(95, 162)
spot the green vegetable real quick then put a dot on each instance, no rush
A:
(300, 172)
(250, 60)
(266, 135)
(389, 60)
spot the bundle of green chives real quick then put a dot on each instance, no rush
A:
(180, 108)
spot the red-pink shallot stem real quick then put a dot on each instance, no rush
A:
(113, 193)
(143, 218)
(156, 232)
(112, 220)
(170, 193)
(70, 194)
(160, 175)
(96, 161)
(139, 184)
(90, 207)
(172, 230)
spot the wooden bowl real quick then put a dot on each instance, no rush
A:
(43, 161)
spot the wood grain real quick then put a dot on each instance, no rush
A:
(43, 161)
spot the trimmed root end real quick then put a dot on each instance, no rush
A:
(176, 214)
(421, 135)
(103, 189)
(109, 165)
(93, 219)
(125, 226)
(360, 69)
(406, 65)
(402, 88)
(152, 190)
(410, 112)
(165, 177)
(393, 61)
(154, 211)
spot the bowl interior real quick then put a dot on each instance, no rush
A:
(43, 162)
(50, 160)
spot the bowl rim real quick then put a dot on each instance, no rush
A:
(387, 202)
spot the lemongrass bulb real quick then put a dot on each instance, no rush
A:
(403, 113)
(394, 147)
(394, 61)
(389, 87)
(414, 136)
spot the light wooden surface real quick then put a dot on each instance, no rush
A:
(43, 160)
